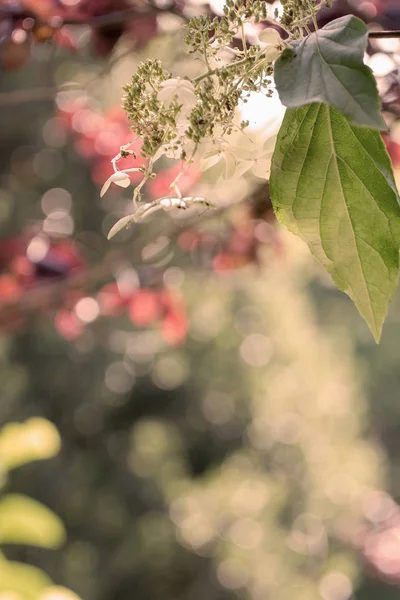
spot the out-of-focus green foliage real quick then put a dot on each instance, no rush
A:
(238, 465)
(23, 442)
(24, 520)
(20, 581)
(275, 513)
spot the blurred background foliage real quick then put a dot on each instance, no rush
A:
(216, 419)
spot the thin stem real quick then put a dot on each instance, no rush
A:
(278, 24)
(383, 34)
(205, 54)
(146, 175)
(224, 68)
(314, 18)
(174, 184)
(244, 43)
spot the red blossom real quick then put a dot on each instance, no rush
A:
(68, 325)
(144, 307)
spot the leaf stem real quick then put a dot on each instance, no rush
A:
(244, 42)
(249, 59)
(384, 34)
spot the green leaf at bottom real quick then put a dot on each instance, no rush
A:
(24, 580)
(332, 185)
(26, 521)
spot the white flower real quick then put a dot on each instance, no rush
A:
(270, 37)
(242, 153)
(230, 151)
(271, 41)
(180, 90)
(259, 156)
(119, 178)
(216, 155)
(179, 145)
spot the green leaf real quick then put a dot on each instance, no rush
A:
(332, 185)
(57, 592)
(22, 579)
(26, 521)
(327, 66)
(20, 443)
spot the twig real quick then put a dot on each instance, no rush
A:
(383, 34)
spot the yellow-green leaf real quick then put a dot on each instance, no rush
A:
(332, 184)
(20, 443)
(26, 581)
(328, 66)
(26, 521)
(57, 592)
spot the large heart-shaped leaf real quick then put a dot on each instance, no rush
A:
(332, 184)
(327, 66)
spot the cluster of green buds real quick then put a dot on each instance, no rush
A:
(297, 13)
(185, 119)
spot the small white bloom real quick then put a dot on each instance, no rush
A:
(180, 90)
(271, 41)
(270, 37)
(271, 53)
(232, 153)
(262, 156)
(119, 178)
(213, 157)
(184, 146)
(242, 153)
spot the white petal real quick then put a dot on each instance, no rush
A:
(149, 208)
(271, 53)
(169, 203)
(209, 160)
(198, 200)
(230, 164)
(242, 167)
(186, 97)
(123, 181)
(120, 225)
(170, 83)
(182, 122)
(118, 176)
(243, 152)
(180, 89)
(159, 153)
(269, 145)
(166, 95)
(142, 209)
(261, 168)
(270, 36)
(105, 187)
(188, 85)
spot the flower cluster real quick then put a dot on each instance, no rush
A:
(296, 13)
(183, 118)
